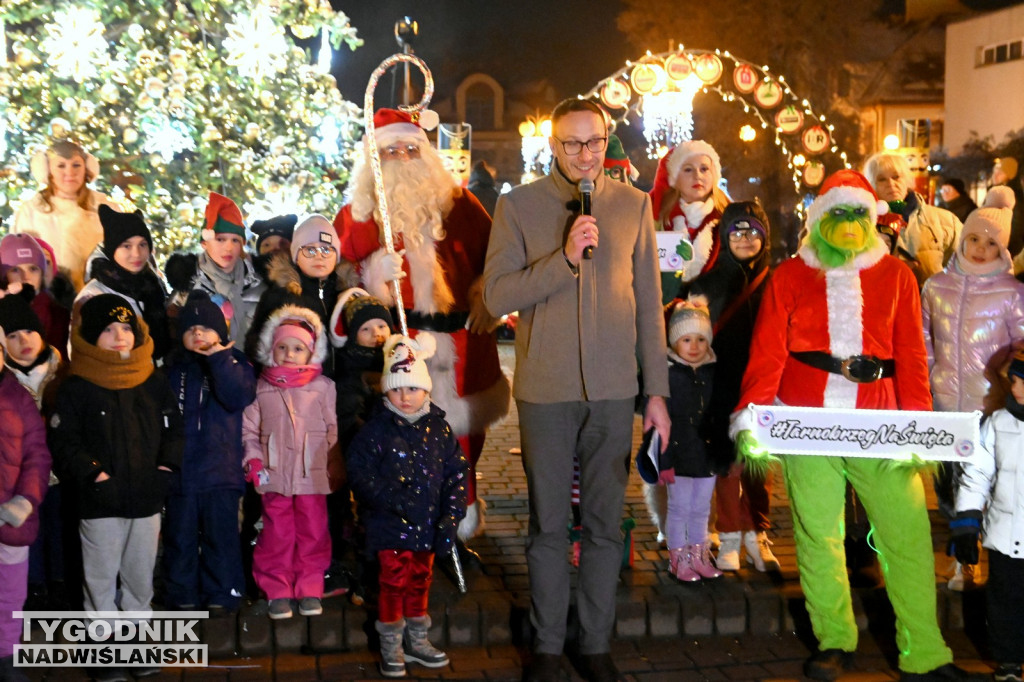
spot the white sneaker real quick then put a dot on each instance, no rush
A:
(728, 558)
(759, 551)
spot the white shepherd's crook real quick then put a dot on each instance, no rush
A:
(382, 199)
(378, 176)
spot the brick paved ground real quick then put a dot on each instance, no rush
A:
(745, 626)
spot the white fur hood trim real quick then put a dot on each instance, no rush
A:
(264, 349)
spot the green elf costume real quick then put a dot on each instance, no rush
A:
(844, 296)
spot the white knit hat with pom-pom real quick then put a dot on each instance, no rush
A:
(405, 362)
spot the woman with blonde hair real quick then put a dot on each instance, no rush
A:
(64, 211)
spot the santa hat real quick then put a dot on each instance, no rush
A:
(22, 249)
(119, 227)
(355, 307)
(615, 157)
(315, 229)
(661, 184)
(846, 187)
(689, 318)
(405, 362)
(222, 216)
(393, 125)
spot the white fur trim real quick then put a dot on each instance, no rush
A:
(702, 246)
(338, 340)
(372, 279)
(264, 348)
(845, 301)
(400, 132)
(696, 211)
(844, 194)
(472, 524)
(470, 413)
(741, 420)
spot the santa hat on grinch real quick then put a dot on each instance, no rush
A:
(846, 188)
(393, 125)
(222, 216)
(670, 165)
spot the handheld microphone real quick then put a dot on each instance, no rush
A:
(586, 187)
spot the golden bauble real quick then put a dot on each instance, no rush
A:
(109, 93)
(211, 133)
(24, 57)
(144, 101)
(252, 132)
(130, 136)
(278, 145)
(59, 127)
(85, 110)
(186, 211)
(146, 57)
(155, 87)
(267, 98)
(177, 57)
(179, 76)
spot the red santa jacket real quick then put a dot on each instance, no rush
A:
(870, 306)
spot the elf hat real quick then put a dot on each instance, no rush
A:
(222, 216)
(315, 229)
(687, 150)
(201, 310)
(16, 315)
(278, 226)
(846, 187)
(405, 362)
(100, 311)
(355, 307)
(22, 249)
(393, 125)
(119, 227)
(615, 158)
(690, 317)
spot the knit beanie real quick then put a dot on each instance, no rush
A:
(993, 223)
(278, 226)
(745, 215)
(1017, 365)
(16, 315)
(222, 217)
(315, 229)
(22, 249)
(405, 362)
(120, 227)
(105, 309)
(200, 310)
(1000, 196)
(294, 328)
(689, 318)
(356, 307)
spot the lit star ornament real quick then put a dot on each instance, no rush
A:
(166, 137)
(256, 45)
(74, 44)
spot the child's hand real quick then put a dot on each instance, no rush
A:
(255, 474)
(214, 347)
(667, 477)
(15, 511)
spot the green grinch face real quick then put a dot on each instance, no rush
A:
(847, 227)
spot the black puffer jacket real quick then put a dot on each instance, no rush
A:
(690, 392)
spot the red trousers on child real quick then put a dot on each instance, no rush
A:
(405, 578)
(294, 547)
(742, 503)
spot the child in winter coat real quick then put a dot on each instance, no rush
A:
(214, 383)
(122, 264)
(39, 369)
(24, 469)
(973, 315)
(288, 434)
(116, 435)
(989, 497)
(686, 465)
(24, 258)
(409, 476)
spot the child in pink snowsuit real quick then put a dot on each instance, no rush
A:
(287, 434)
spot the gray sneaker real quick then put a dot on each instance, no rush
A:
(310, 606)
(279, 609)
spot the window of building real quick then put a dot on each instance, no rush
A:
(1001, 52)
(480, 106)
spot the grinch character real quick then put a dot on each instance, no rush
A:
(840, 326)
(441, 234)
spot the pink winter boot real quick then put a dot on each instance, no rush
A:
(680, 564)
(701, 561)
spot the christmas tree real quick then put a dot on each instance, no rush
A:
(177, 98)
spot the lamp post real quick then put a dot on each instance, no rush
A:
(535, 131)
(406, 32)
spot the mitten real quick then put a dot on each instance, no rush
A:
(388, 267)
(255, 474)
(667, 477)
(964, 532)
(15, 510)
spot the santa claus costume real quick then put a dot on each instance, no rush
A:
(442, 233)
(827, 304)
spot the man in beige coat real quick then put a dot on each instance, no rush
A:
(583, 324)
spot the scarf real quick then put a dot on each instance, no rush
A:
(106, 368)
(291, 377)
(228, 284)
(696, 211)
(411, 418)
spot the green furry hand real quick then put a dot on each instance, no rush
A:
(757, 459)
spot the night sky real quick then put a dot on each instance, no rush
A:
(572, 44)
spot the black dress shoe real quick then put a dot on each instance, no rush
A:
(828, 664)
(544, 668)
(599, 668)
(944, 673)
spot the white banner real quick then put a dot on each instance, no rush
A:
(669, 258)
(888, 434)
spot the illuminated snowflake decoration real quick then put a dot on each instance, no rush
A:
(74, 45)
(256, 45)
(668, 116)
(166, 137)
(288, 199)
(330, 136)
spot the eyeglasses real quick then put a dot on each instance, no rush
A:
(400, 151)
(750, 234)
(574, 147)
(314, 251)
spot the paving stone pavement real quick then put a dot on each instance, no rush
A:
(744, 626)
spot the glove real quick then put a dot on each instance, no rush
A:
(964, 532)
(667, 477)
(15, 510)
(389, 267)
(255, 474)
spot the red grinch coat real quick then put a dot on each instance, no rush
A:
(468, 382)
(869, 306)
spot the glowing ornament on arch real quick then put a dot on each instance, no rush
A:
(74, 45)
(166, 138)
(256, 45)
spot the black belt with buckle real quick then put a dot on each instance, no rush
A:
(860, 369)
(442, 323)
